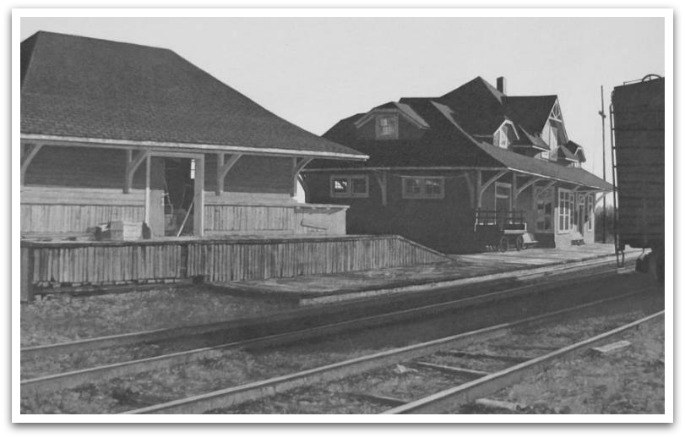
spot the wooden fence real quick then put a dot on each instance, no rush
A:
(51, 266)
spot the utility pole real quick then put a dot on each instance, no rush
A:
(604, 170)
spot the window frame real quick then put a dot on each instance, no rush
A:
(422, 194)
(349, 193)
(564, 211)
(548, 193)
(394, 124)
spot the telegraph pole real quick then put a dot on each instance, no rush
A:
(604, 170)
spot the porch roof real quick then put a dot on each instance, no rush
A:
(111, 93)
(545, 169)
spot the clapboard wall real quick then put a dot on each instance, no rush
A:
(71, 211)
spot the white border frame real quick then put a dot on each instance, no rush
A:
(665, 13)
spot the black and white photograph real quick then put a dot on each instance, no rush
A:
(352, 216)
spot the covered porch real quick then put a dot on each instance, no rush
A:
(538, 209)
(69, 188)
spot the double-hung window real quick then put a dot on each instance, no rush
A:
(544, 202)
(349, 186)
(565, 210)
(422, 187)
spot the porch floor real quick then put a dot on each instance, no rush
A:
(476, 267)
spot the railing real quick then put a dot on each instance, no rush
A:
(504, 219)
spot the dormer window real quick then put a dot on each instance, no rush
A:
(386, 127)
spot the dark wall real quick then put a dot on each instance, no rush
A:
(253, 175)
(443, 224)
(81, 167)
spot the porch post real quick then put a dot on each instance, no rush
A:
(479, 178)
(28, 152)
(199, 198)
(298, 165)
(514, 186)
(147, 188)
(222, 168)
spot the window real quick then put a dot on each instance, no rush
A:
(590, 212)
(544, 155)
(543, 202)
(565, 208)
(423, 187)
(353, 186)
(502, 196)
(386, 127)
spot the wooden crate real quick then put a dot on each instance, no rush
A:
(122, 230)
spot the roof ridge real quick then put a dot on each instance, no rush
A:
(45, 33)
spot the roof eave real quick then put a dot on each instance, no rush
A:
(199, 147)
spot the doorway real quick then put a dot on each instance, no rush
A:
(174, 194)
(179, 192)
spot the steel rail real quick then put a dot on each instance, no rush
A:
(75, 378)
(450, 399)
(253, 391)
(277, 321)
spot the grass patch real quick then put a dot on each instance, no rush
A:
(57, 319)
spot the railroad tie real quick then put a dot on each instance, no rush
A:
(468, 355)
(453, 370)
(380, 399)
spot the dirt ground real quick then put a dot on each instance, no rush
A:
(627, 381)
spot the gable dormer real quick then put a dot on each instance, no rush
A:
(505, 135)
(554, 131)
(392, 121)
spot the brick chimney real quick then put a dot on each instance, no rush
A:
(502, 85)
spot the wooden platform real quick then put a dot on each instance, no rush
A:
(52, 267)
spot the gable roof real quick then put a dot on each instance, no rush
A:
(477, 105)
(531, 112)
(447, 143)
(403, 108)
(102, 91)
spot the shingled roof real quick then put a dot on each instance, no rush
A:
(448, 143)
(100, 91)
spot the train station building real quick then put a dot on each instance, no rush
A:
(472, 169)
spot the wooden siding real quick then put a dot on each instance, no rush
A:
(52, 264)
(265, 215)
(55, 210)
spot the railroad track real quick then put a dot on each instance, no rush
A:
(411, 357)
(78, 377)
(255, 327)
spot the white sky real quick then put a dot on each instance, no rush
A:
(315, 71)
